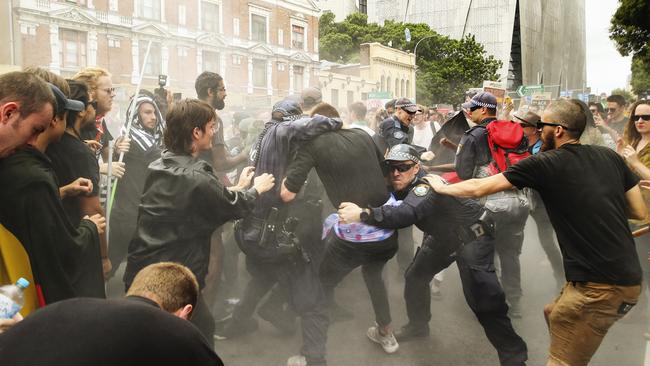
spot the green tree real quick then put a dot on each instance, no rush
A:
(640, 77)
(630, 30)
(446, 67)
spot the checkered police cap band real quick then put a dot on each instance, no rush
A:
(483, 104)
(405, 105)
(402, 156)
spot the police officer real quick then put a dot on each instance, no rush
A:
(396, 129)
(455, 230)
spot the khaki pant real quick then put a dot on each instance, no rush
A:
(581, 316)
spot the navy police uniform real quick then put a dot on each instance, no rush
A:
(455, 230)
(392, 132)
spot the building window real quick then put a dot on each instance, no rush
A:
(281, 66)
(112, 5)
(73, 48)
(335, 97)
(259, 73)
(28, 29)
(183, 51)
(150, 9)
(182, 15)
(363, 6)
(297, 37)
(114, 43)
(210, 16)
(211, 61)
(258, 28)
(350, 97)
(364, 96)
(78, 2)
(280, 37)
(298, 78)
(235, 27)
(153, 65)
(236, 59)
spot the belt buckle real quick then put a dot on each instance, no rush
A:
(477, 229)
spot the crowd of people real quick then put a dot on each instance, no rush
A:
(307, 192)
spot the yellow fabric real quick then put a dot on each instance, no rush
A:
(14, 263)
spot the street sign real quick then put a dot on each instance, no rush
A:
(380, 95)
(407, 34)
(529, 89)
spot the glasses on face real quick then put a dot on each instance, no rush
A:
(612, 110)
(541, 125)
(644, 117)
(593, 111)
(109, 90)
(400, 167)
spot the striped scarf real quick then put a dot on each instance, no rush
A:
(138, 133)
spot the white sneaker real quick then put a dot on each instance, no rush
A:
(387, 342)
(298, 360)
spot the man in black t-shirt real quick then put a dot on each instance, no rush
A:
(589, 193)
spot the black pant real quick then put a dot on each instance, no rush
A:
(341, 257)
(480, 286)
(305, 296)
(122, 229)
(405, 252)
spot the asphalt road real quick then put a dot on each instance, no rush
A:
(456, 337)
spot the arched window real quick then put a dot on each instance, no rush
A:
(403, 87)
(388, 85)
(383, 83)
(397, 91)
(408, 88)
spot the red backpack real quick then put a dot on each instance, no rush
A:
(508, 145)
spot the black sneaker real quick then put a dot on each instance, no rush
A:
(410, 332)
(235, 329)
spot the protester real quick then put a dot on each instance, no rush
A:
(589, 192)
(422, 131)
(615, 122)
(636, 151)
(456, 230)
(358, 113)
(65, 258)
(146, 135)
(148, 326)
(509, 208)
(27, 105)
(348, 163)
(591, 134)
(271, 255)
(98, 136)
(183, 202)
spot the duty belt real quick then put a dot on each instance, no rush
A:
(483, 227)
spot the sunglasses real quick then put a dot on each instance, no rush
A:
(612, 110)
(645, 117)
(109, 90)
(400, 167)
(541, 125)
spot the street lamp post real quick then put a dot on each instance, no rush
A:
(415, 59)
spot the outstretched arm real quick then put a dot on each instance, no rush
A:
(470, 188)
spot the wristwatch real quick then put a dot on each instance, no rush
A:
(364, 216)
